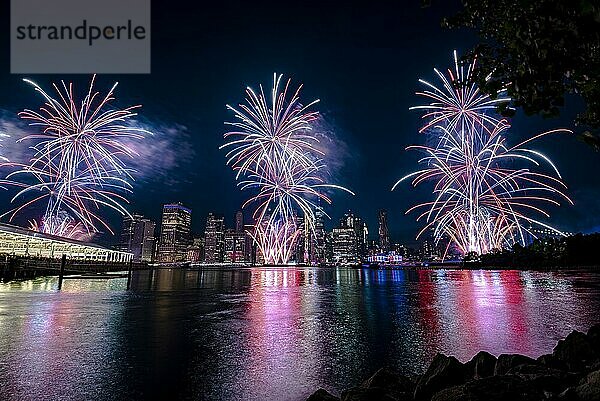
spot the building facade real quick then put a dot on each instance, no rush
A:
(195, 252)
(319, 242)
(350, 240)
(214, 237)
(235, 247)
(384, 236)
(239, 222)
(175, 233)
(345, 249)
(137, 237)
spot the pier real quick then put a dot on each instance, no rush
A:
(28, 267)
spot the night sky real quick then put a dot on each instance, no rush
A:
(363, 62)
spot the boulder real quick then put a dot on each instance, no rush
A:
(443, 372)
(544, 378)
(455, 393)
(506, 362)
(589, 387)
(493, 388)
(593, 335)
(322, 395)
(392, 383)
(498, 388)
(567, 395)
(549, 361)
(366, 394)
(481, 365)
(575, 351)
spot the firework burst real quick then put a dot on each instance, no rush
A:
(458, 104)
(79, 160)
(275, 152)
(481, 200)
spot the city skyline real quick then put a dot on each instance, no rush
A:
(230, 242)
(369, 143)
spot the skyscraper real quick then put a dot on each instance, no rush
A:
(239, 222)
(235, 247)
(302, 240)
(250, 244)
(349, 239)
(318, 248)
(351, 220)
(384, 236)
(195, 252)
(344, 244)
(137, 237)
(175, 233)
(214, 239)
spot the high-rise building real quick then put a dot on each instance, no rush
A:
(195, 252)
(175, 233)
(384, 236)
(137, 237)
(351, 220)
(302, 241)
(214, 238)
(250, 244)
(318, 244)
(363, 237)
(329, 248)
(235, 247)
(239, 222)
(344, 245)
(350, 240)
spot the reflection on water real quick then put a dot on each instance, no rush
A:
(254, 334)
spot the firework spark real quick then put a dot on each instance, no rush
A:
(275, 151)
(482, 202)
(79, 160)
(459, 103)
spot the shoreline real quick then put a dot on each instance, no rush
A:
(40, 273)
(570, 373)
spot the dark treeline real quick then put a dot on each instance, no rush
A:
(572, 251)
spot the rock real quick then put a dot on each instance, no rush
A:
(589, 388)
(443, 372)
(568, 395)
(395, 385)
(414, 378)
(549, 361)
(506, 362)
(322, 395)
(366, 394)
(593, 335)
(481, 365)
(544, 378)
(575, 351)
(455, 393)
(493, 388)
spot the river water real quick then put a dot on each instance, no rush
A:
(269, 333)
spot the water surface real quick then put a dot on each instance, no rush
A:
(270, 334)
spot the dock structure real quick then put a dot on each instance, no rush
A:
(27, 254)
(20, 242)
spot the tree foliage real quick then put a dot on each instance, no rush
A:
(573, 251)
(540, 50)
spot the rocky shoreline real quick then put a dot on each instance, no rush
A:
(570, 373)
